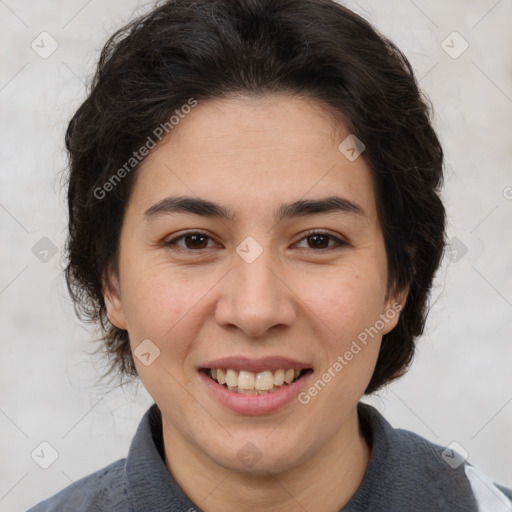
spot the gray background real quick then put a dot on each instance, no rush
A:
(459, 388)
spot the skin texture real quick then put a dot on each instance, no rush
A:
(251, 155)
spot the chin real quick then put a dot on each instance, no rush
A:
(259, 457)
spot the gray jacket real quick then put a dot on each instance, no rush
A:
(406, 473)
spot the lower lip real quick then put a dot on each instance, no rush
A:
(255, 404)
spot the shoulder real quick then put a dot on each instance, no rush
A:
(127, 484)
(444, 469)
(408, 472)
(102, 490)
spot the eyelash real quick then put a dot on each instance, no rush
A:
(338, 242)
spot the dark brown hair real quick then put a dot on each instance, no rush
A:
(206, 49)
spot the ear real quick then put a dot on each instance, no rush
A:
(113, 302)
(395, 303)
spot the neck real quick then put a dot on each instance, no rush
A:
(325, 482)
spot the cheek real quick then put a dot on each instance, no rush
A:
(160, 306)
(347, 301)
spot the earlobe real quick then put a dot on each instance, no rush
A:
(113, 302)
(394, 306)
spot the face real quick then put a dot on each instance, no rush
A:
(251, 244)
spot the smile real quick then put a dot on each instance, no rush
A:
(251, 383)
(255, 386)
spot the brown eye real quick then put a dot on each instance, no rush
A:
(189, 242)
(195, 241)
(318, 240)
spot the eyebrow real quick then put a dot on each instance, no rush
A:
(301, 208)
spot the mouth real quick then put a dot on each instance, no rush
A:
(255, 386)
(255, 383)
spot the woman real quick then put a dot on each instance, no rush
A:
(255, 223)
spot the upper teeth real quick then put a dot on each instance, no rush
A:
(262, 381)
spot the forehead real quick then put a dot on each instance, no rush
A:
(251, 152)
(239, 125)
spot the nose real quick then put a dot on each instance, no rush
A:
(256, 297)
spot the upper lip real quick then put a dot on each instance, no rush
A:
(257, 365)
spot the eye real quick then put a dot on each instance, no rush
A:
(190, 241)
(321, 240)
(195, 241)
